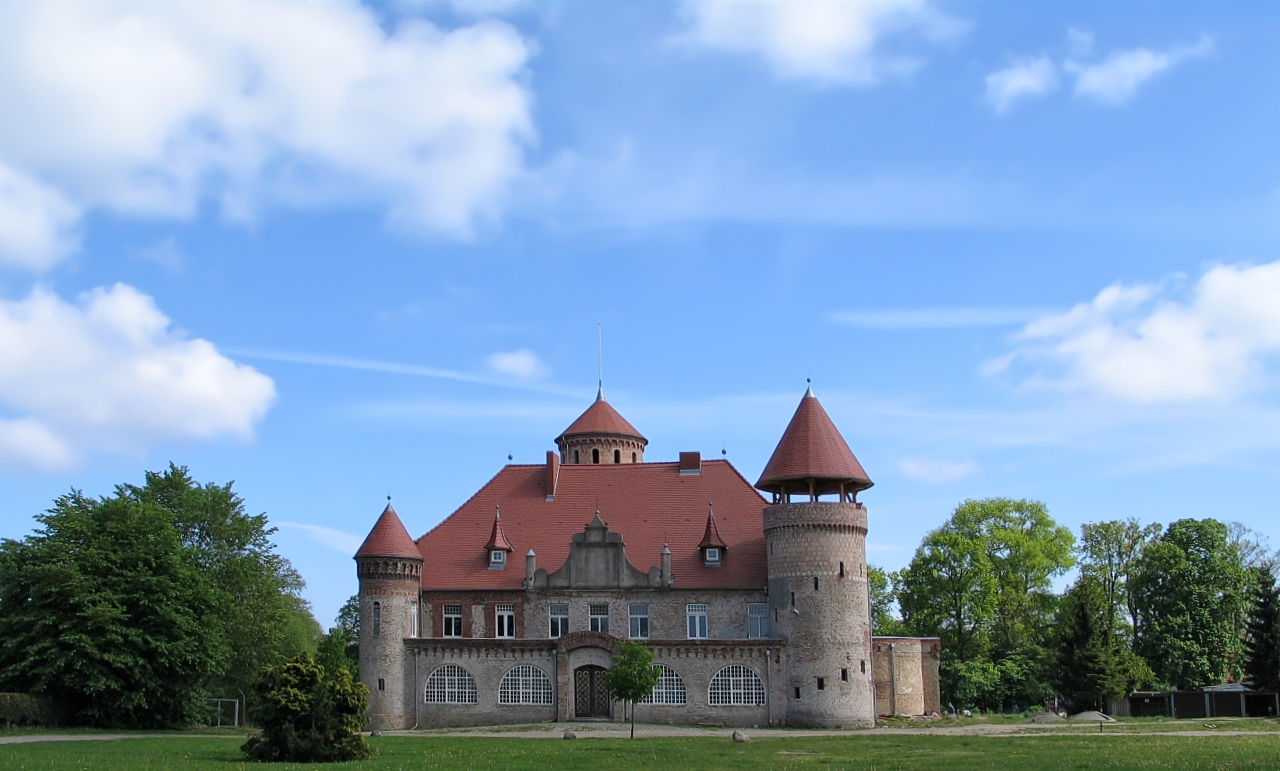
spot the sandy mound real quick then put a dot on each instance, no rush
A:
(1092, 715)
(1048, 717)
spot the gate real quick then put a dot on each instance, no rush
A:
(590, 692)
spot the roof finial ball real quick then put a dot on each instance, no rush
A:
(827, 600)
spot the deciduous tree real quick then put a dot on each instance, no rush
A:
(632, 676)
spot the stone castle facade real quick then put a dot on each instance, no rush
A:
(756, 608)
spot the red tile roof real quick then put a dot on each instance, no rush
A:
(648, 503)
(388, 538)
(812, 448)
(601, 418)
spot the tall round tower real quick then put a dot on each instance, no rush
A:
(816, 534)
(390, 570)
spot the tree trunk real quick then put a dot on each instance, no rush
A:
(633, 719)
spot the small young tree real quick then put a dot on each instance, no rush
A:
(308, 715)
(632, 677)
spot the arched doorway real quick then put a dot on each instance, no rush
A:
(590, 692)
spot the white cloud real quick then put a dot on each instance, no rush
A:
(523, 363)
(36, 222)
(934, 318)
(1025, 77)
(937, 471)
(152, 107)
(106, 373)
(829, 42)
(1135, 343)
(338, 540)
(1115, 80)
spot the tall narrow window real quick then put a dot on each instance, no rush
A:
(842, 570)
(757, 619)
(505, 621)
(815, 583)
(377, 619)
(844, 675)
(413, 620)
(600, 618)
(575, 457)
(452, 620)
(559, 615)
(595, 455)
(617, 456)
(822, 684)
(639, 622)
(633, 457)
(697, 615)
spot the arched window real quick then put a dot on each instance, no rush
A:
(670, 688)
(525, 684)
(377, 619)
(450, 684)
(736, 686)
(617, 456)
(595, 455)
(575, 457)
(633, 457)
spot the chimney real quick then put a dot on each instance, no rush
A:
(553, 474)
(690, 464)
(530, 566)
(666, 565)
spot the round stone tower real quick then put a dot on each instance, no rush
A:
(601, 435)
(815, 533)
(390, 570)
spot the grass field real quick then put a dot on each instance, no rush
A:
(882, 753)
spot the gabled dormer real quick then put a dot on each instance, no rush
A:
(498, 547)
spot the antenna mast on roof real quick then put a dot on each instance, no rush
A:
(600, 360)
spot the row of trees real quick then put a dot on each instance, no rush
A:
(1187, 606)
(131, 609)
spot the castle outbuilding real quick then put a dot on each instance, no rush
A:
(757, 610)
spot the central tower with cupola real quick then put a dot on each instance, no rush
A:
(815, 532)
(601, 436)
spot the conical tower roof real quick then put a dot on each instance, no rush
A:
(812, 449)
(601, 419)
(388, 538)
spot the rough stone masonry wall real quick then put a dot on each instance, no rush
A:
(487, 661)
(697, 664)
(383, 666)
(828, 626)
(583, 445)
(906, 671)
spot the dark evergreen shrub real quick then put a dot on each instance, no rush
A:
(308, 715)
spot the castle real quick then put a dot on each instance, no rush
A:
(756, 609)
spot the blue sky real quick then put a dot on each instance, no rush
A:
(337, 251)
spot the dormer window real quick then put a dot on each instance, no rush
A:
(711, 556)
(497, 559)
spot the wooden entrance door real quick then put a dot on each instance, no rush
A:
(590, 692)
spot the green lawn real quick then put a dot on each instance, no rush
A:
(949, 753)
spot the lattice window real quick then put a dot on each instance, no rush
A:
(757, 619)
(450, 684)
(559, 615)
(525, 684)
(736, 686)
(697, 615)
(670, 689)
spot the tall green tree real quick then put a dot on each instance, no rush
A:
(103, 610)
(1189, 589)
(880, 586)
(262, 618)
(632, 676)
(1263, 637)
(948, 590)
(341, 645)
(1093, 661)
(1109, 553)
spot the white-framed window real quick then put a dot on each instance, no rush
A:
(600, 618)
(670, 689)
(452, 620)
(413, 620)
(639, 615)
(525, 684)
(757, 619)
(559, 620)
(736, 686)
(697, 621)
(377, 619)
(497, 559)
(505, 621)
(712, 555)
(450, 684)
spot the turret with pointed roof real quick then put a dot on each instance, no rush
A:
(812, 457)
(601, 435)
(388, 538)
